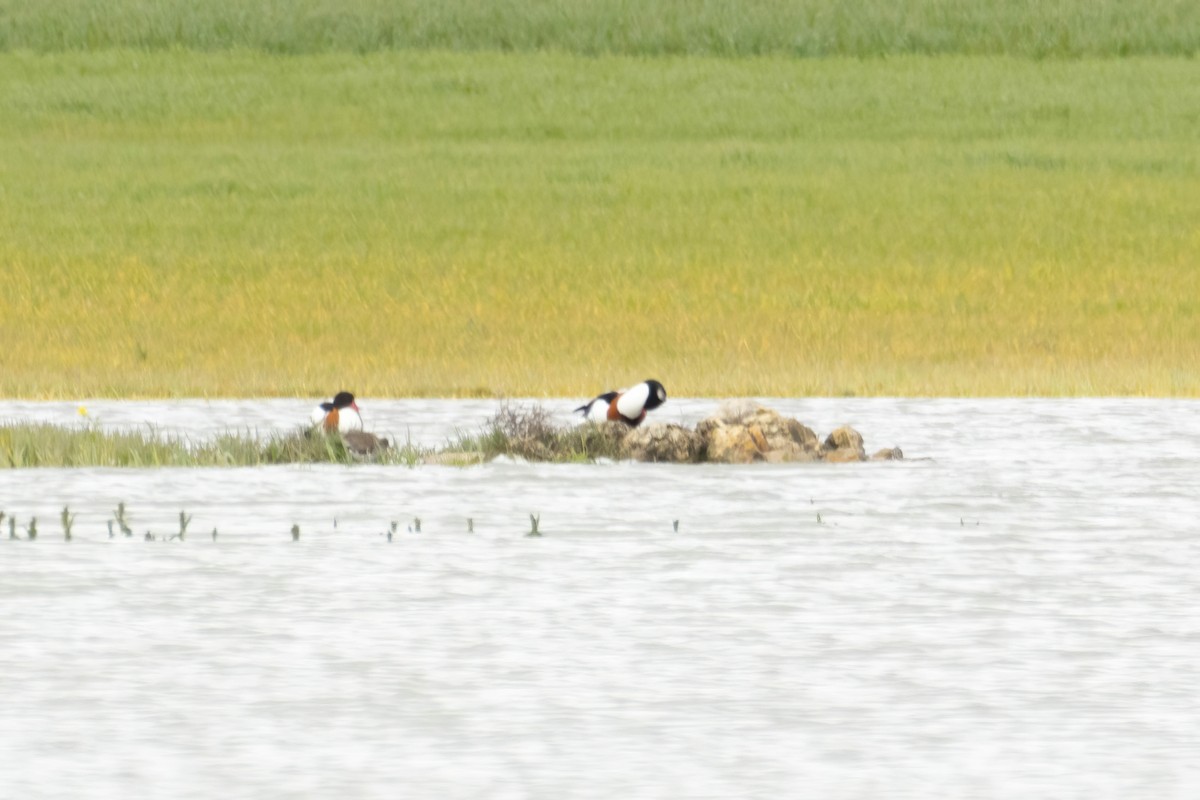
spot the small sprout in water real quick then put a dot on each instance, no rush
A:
(818, 517)
(416, 524)
(534, 519)
(961, 523)
(335, 523)
(470, 525)
(122, 522)
(12, 527)
(1, 517)
(31, 531)
(110, 530)
(68, 519)
(296, 532)
(184, 521)
(675, 525)
(149, 536)
(214, 534)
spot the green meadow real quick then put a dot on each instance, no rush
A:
(208, 216)
(804, 28)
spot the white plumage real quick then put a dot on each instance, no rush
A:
(632, 402)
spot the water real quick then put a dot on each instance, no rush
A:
(1018, 616)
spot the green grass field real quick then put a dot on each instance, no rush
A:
(183, 223)
(807, 28)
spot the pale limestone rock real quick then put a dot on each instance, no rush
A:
(744, 431)
(670, 443)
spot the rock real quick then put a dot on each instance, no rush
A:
(671, 443)
(843, 438)
(784, 457)
(727, 444)
(844, 455)
(454, 458)
(843, 445)
(743, 431)
(363, 443)
(888, 454)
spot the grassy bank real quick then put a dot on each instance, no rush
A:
(43, 445)
(858, 28)
(189, 224)
(527, 432)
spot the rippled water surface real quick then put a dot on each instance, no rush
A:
(1018, 616)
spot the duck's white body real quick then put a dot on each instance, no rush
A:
(633, 402)
(628, 405)
(347, 419)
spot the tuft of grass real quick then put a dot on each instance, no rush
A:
(529, 432)
(179, 223)
(807, 28)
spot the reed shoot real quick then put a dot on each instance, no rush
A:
(68, 520)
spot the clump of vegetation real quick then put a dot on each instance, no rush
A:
(302, 446)
(529, 432)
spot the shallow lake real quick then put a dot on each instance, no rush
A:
(1017, 616)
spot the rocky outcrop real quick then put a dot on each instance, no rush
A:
(742, 432)
(671, 443)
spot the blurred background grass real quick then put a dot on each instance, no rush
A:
(181, 222)
(811, 28)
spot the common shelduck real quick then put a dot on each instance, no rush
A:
(628, 405)
(330, 417)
